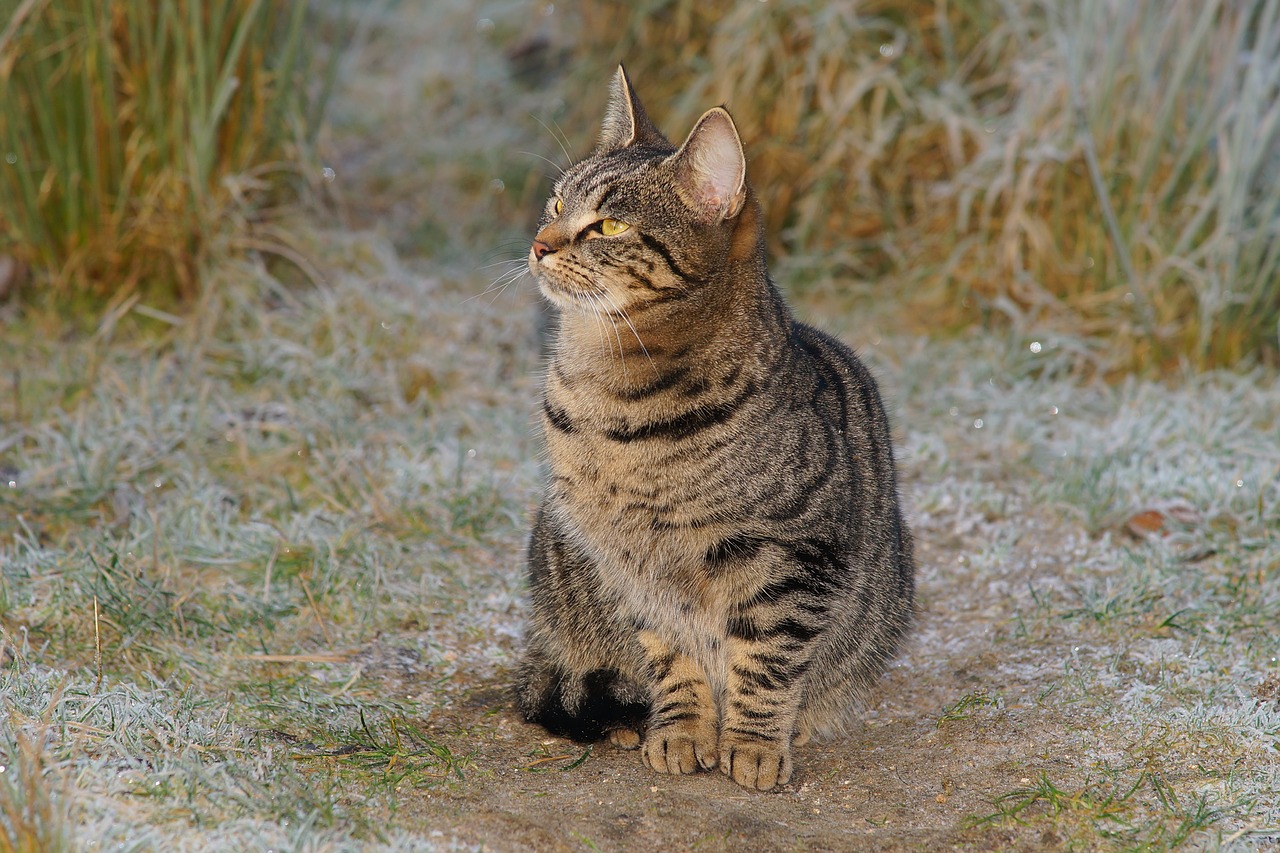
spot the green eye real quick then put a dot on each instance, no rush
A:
(559, 206)
(610, 227)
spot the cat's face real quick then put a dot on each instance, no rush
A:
(640, 222)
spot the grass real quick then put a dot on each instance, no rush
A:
(1002, 161)
(404, 755)
(135, 134)
(1114, 809)
(260, 573)
(33, 817)
(287, 497)
(965, 707)
(1155, 636)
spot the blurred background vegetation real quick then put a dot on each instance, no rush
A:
(134, 136)
(1103, 168)
(1107, 167)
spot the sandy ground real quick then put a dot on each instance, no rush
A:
(907, 780)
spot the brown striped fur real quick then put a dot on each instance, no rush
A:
(720, 567)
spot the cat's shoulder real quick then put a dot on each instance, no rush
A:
(826, 348)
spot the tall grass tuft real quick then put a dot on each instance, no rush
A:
(32, 818)
(130, 133)
(1108, 166)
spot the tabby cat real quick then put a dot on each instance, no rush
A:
(720, 565)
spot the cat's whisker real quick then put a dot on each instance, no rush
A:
(598, 311)
(595, 316)
(499, 284)
(512, 274)
(622, 312)
(553, 164)
(602, 322)
(519, 252)
(512, 261)
(563, 139)
(514, 241)
(608, 316)
(560, 139)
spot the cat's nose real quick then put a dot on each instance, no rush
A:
(541, 249)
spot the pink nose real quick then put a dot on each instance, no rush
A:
(541, 249)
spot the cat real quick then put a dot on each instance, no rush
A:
(720, 565)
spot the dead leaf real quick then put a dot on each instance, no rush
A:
(1146, 523)
(1160, 517)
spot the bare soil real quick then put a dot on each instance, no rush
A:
(911, 778)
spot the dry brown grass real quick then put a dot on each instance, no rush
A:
(133, 133)
(33, 818)
(1100, 166)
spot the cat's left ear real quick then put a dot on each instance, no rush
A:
(711, 168)
(625, 121)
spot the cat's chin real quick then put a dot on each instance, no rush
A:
(558, 297)
(568, 301)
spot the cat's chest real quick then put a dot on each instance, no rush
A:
(673, 494)
(629, 506)
(648, 549)
(646, 506)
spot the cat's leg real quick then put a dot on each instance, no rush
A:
(775, 637)
(682, 732)
(582, 672)
(582, 706)
(762, 703)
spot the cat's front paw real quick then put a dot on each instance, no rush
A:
(752, 763)
(680, 748)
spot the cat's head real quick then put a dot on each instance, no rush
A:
(641, 222)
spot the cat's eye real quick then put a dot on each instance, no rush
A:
(559, 207)
(610, 227)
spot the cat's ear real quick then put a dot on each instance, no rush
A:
(711, 168)
(625, 121)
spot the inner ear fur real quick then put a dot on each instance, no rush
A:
(711, 168)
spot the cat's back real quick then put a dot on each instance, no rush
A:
(845, 392)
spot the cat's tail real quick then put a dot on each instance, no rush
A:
(583, 708)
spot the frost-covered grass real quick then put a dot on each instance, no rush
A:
(205, 536)
(1157, 643)
(256, 565)
(301, 521)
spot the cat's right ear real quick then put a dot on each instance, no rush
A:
(625, 121)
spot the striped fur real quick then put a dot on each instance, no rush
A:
(720, 566)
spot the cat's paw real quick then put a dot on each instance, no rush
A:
(755, 763)
(680, 748)
(624, 738)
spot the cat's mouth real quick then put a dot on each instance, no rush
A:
(556, 293)
(564, 294)
(581, 300)
(561, 294)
